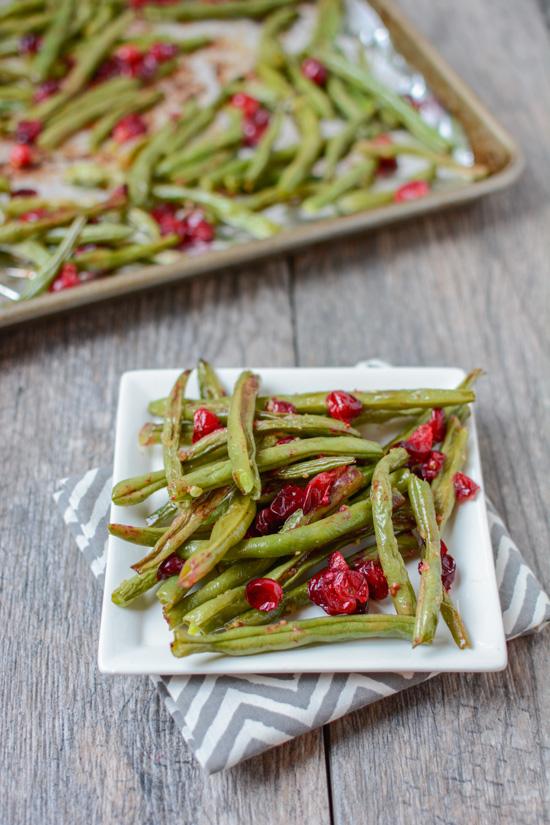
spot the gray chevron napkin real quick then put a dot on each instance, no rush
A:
(226, 719)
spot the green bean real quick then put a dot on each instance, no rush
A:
(327, 25)
(171, 433)
(306, 469)
(15, 93)
(192, 122)
(112, 89)
(142, 223)
(92, 175)
(275, 82)
(210, 385)
(30, 251)
(135, 103)
(104, 260)
(23, 25)
(144, 536)
(185, 524)
(312, 93)
(269, 49)
(367, 82)
(431, 589)
(308, 149)
(262, 155)
(141, 173)
(454, 622)
(225, 209)
(54, 39)
(206, 146)
(47, 273)
(19, 205)
(228, 531)
(197, 10)
(362, 172)
(191, 172)
(220, 473)
(342, 99)
(163, 515)
(401, 590)
(244, 641)
(19, 8)
(16, 231)
(350, 482)
(241, 446)
(131, 588)
(138, 488)
(454, 448)
(394, 150)
(105, 232)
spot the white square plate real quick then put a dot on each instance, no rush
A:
(136, 639)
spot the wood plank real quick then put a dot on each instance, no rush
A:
(79, 746)
(470, 287)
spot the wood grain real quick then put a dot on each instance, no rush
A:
(470, 287)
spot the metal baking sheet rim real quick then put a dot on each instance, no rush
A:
(314, 232)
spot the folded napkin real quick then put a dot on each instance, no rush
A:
(226, 719)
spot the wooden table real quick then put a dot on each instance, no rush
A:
(469, 287)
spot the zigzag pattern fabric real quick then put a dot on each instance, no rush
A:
(226, 719)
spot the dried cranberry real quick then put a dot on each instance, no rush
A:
(385, 165)
(204, 422)
(438, 425)
(248, 105)
(45, 90)
(21, 156)
(170, 567)
(275, 405)
(338, 589)
(448, 571)
(378, 584)
(161, 52)
(23, 193)
(33, 215)
(465, 487)
(129, 127)
(432, 466)
(411, 191)
(289, 499)
(129, 54)
(30, 43)
(254, 126)
(419, 444)
(201, 232)
(112, 67)
(27, 131)
(286, 439)
(314, 71)
(318, 490)
(67, 278)
(266, 522)
(264, 594)
(343, 405)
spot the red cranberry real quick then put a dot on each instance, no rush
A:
(378, 584)
(266, 522)
(201, 232)
(170, 567)
(161, 52)
(129, 54)
(385, 165)
(21, 156)
(438, 425)
(343, 405)
(448, 571)
(338, 589)
(318, 490)
(433, 465)
(289, 499)
(45, 90)
(67, 278)
(248, 105)
(33, 215)
(264, 594)
(112, 67)
(30, 43)
(286, 439)
(419, 444)
(27, 131)
(465, 487)
(23, 193)
(314, 71)
(254, 126)
(129, 127)
(411, 191)
(204, 422)
(274, 405)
